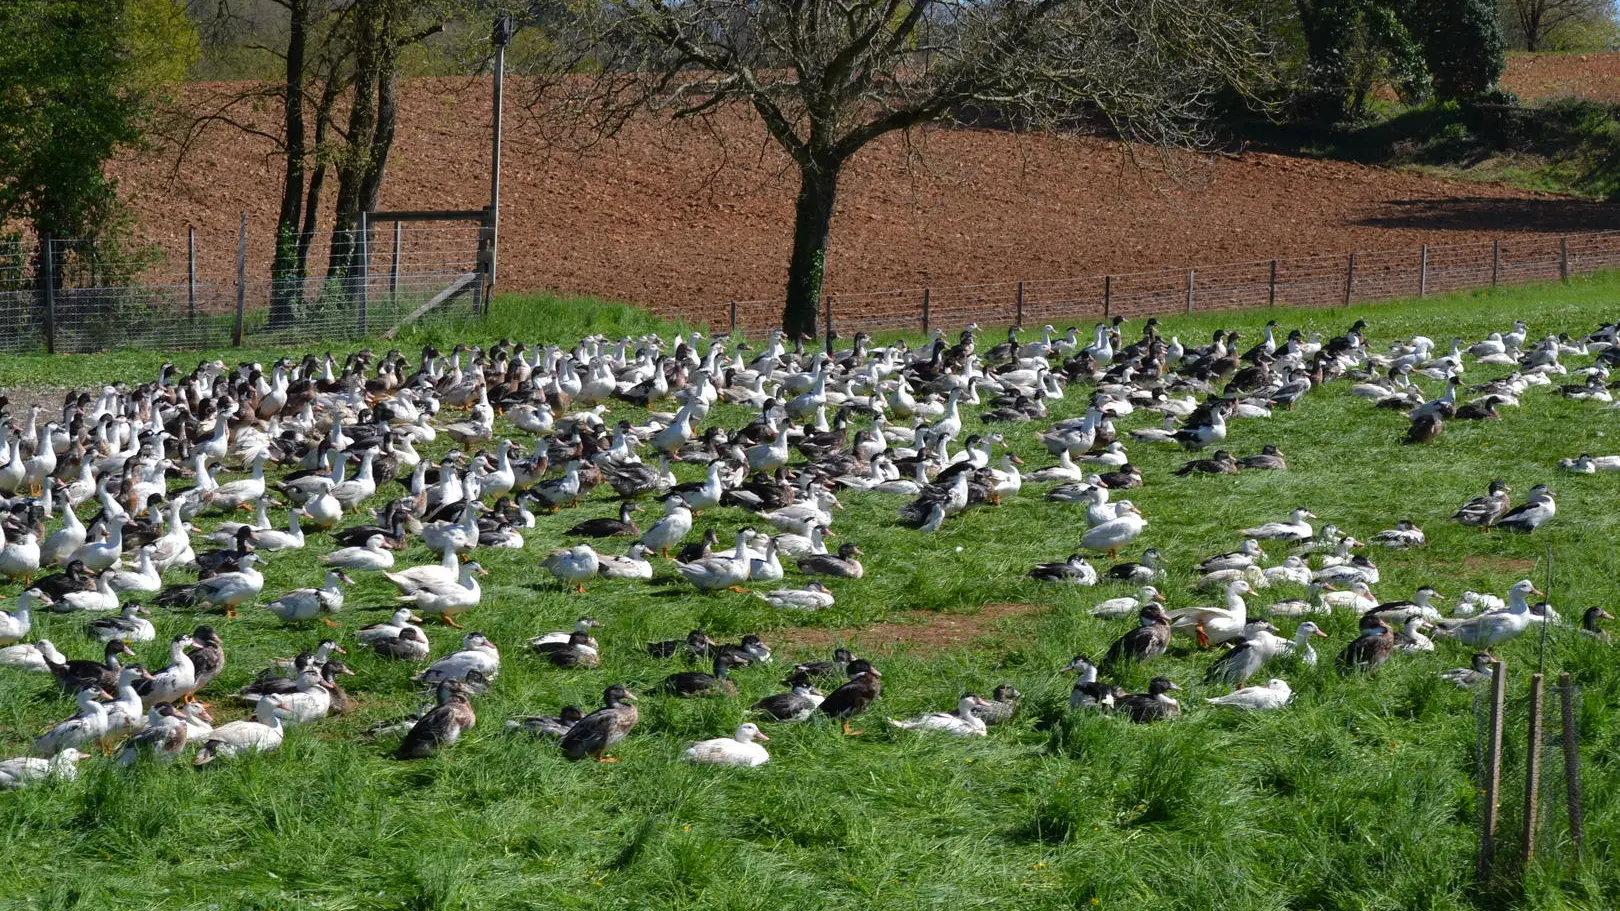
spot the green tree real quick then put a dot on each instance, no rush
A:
(1462, 45)
(77, 78)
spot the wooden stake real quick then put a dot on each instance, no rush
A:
(928, 294)
(1271, 286)
(1423, 271)
(1192, 280)
(1020, 319)
(1492, 786)
(1350, 280)
(1532, 776)
(1572, 764)
(241, 284)
(1108, 296)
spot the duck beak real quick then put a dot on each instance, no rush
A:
(340, 650)
(1539, 592)
(630, 697)
(1320, 634)
(1174, 687)
(416, 619)
(760, 737)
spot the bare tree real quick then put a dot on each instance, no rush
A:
(1535, 21)
(827, 77)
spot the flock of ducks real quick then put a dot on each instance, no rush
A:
(142, 463)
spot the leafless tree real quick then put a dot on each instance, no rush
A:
(827, 77)
(1535, 21)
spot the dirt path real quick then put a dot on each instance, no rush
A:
(918, 632)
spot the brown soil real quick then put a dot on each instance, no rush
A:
(1498, 564)
(1537, 77)
(678, 219)
(916, 631)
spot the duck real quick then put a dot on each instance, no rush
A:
(409, 644)
(95, 556)
(1215, 625)
(1410, 638)
(174, 682)
(75, 675)
(1370, 649)
(442, 726)
(717, 571)
(130, 625)
(237, 494)
(1301, 648)
(163, 737)
(226, 590)
(87, 727)
(19, 555)
(1589, 623)
(572, 565)
(1221, 463)
(796, 705)
(668, 531)
(1356, 569)
(1088, 692)
(742, 749)
(864, 686)
(961, 723)
(1000, 707)
(1148, 569)
(1250, 554)
(582, 625)
(1489, 629)
(16, 625)
(845, 564)
(812, 597)
(552, 727)
(476, 653)
(1484, 511)
(1293, 570)
(259, 734)
(388, 630)
(577, 651)
(207, 653)
(446, 600)
(1243, 660)
(32, 657)
(304, 604)
(1404, 536)
(373, 556)
(1478, 671)
(1295, 530)
(607, 528)
(1074, 571)
(698, 683)
(1419, 606)
(597, 732)
(1147, 641)
(446, 570)
(1359, 598)
(1115, 533)
(1270, 458)
(633, 564)
(25, 771)
(101, 599)
(1154, 705)
(1126, 606)
(271, 540)
(697, 644)
(1531, 515)
(1273, 695)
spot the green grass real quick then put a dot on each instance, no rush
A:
(1358, 796)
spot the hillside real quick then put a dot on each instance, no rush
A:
(668, 216)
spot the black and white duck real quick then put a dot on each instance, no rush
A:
(698, 683)
(1148, 569)
(1589, 623)
(78, 674)
(597, 732)
(836, 669)
(1531, 515)
(608, 528)
(1074, 571)
(865, 685)
(1088, 692)
(576, 652)
(1154, 705)
(1484, 511)
(796, 705)
(547, 726)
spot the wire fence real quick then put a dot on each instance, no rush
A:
(1304, 281)
(69, 295)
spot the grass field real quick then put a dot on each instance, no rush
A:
(1360, 795)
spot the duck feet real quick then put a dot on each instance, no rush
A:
(329, 622)
(449, 621)
(1203, 637)
(848, 732)
(606, 759)
(580, 588)
(738, 589)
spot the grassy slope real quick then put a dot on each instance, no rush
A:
(1358, 796)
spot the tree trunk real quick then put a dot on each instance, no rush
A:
(285, 272)
(354, 163)
(818, 193)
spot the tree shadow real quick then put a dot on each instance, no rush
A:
(1518, 216)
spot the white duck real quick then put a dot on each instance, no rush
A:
(477, 653)
(33, 657)
(718, 571)
(573, 565)
(1488, 629)
(304, 604)
(668, 531)
(1127, 606)
(130, 625)
(100, 599)
(1301, 647)
(143, 580)
(1116, 533)
(1295, 529)
(26, 770)
(372, 557)
(19, 556)
(1215, 625)
(261, 733)
(15, 626)
(1358, 598)
(742, 749)
(961, 723)
(632, 565)
(388, 629)
(447, 599)
(1274, 695)
(84, 729)
(814, 596)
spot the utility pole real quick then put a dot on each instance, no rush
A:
(505, 27)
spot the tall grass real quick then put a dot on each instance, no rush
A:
(1359, 795)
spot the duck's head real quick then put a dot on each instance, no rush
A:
(1307, 630)
(861, 667)
(847, 551)
(616, 694)
(1006, 692)
(748, 732)
(1161, 685)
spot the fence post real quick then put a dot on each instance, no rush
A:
(49, 262)
(1020, 320)
(1563, 259)
(1192, 277)
(1532, 774)
(928, 294)
(241, 283)
(733, 317)
(1496, 261)
(826, 310)
(1572, 764)
(1350, 280)
(365, 270)
(1271, 286)
(1493, 771)
(1108, 296)
(1423, 271)
(191, 271)
(393, 271)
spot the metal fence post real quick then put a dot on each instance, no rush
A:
(1192, 277)
(733, 317)
(1492, 786)
(1423, 271)
(365, 271)
(393, 270)
(928, 294)
(1350, 280)
(1572, 764)
(191, 271)
(826, 310)
(1271, 286)
(241, 283)
(1532, 766)
(1020, 320)
(1496, 261)
(1563, 259)
(49, 262)
(1108, 296)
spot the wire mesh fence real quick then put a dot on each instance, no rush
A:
(77, 296)
(1304, 281)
